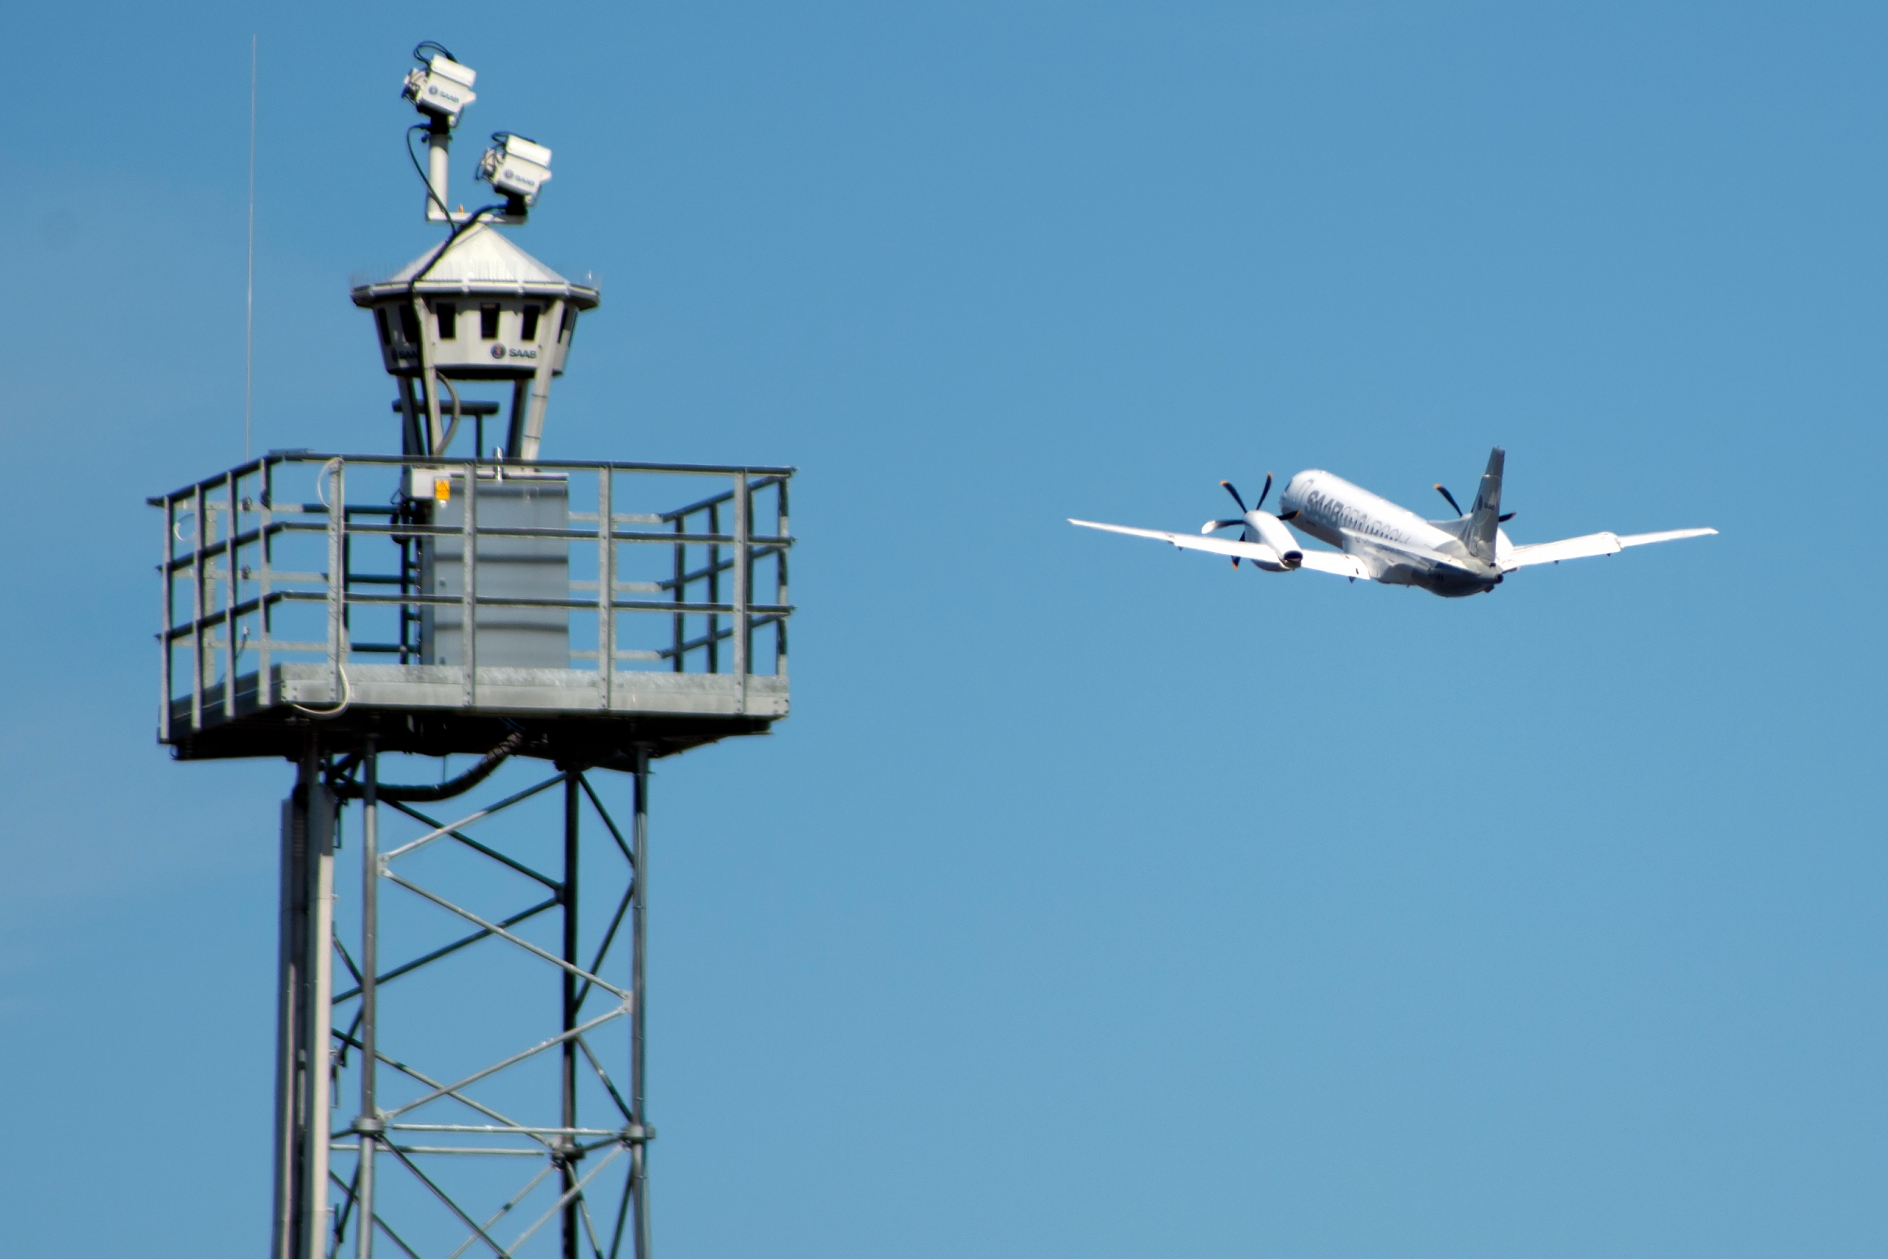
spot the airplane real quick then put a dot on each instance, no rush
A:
(1380, 541)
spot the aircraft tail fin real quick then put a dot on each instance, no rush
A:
(1484, 518)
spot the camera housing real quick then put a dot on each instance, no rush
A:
(441, 88)
(517, 167)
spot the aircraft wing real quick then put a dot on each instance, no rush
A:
(1336, 562)
(1322, 561)
(1589, 544)
(1193, 541)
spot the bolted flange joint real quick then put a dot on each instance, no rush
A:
(370, 1125)
(564, 1150)
(637, 1133)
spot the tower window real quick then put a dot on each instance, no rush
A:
(528, 331)
(448, 315)
(380, 325)
(488, 321)
(409, 325)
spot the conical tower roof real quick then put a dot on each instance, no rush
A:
(478, 261)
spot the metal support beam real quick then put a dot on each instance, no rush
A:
(438, 168)
(514, 433)
(319, 1053)
(303, 1027)
(639, 1013)
(290, 1012)
(568, 1151)
(368, 1124)
(540, 397)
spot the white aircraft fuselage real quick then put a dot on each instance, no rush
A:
(1406, 549)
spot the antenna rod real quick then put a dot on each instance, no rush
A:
(249, 312)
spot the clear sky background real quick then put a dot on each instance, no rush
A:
(1096, 900)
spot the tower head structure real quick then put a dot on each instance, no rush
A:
(477, 308)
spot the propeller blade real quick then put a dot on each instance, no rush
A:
(1262, 493)
(1235, 495)
(1505, 519)
(1290, 515)
(1445, 493)
(1211, 525)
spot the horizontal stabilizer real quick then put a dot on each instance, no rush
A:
(1589, 544)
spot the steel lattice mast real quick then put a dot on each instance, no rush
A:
(461, 1019)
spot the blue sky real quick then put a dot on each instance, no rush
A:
(1096, 900)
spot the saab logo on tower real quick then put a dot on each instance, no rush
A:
(498, 351)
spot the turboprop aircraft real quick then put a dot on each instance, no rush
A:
(1380, 541)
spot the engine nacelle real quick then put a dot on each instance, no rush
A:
(1270, 530)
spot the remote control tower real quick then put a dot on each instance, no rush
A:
(460, 1005)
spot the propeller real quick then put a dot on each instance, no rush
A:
(1458, 507)
(1245, 535)
(1258, 506)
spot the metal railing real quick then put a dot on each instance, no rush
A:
(251, 558)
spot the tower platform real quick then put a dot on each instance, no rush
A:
(609, 606)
